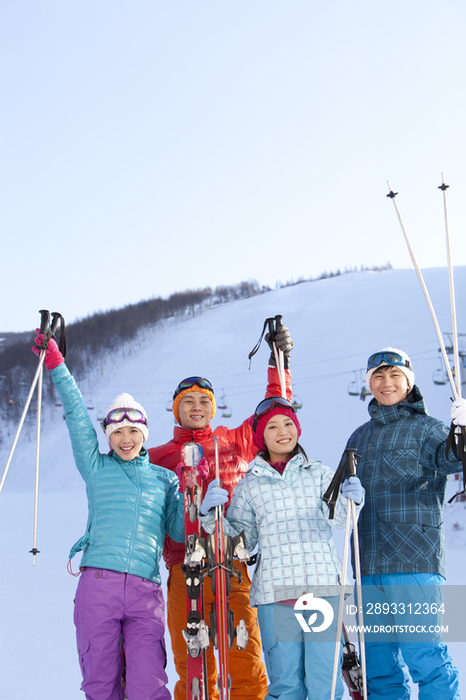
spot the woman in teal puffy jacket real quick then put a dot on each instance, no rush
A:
(132, 504)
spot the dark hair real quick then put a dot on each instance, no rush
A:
(296, 450)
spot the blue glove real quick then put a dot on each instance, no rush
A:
(215, 496)
(352, 488)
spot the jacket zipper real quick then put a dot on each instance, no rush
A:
(136, 517)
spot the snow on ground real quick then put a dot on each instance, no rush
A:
(335, 324)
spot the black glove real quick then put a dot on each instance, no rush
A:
(282, 339)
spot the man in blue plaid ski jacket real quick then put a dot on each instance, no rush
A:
(403, 466)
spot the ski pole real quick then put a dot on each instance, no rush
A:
(47, 333)
(341, 602)
(456, 358)
(392, 196)
(350, 516)
(43, 347)
(44, 324)
(34, 549)
(357, 566)
(23, 417)
(221, 594)
(281, 359)
(456, 440)
(278, 354)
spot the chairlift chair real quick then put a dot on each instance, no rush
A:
(353, 387)
(222, 404)
(440, 377)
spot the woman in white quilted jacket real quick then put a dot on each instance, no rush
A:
(279, 506)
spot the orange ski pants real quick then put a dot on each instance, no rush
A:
(247, 671)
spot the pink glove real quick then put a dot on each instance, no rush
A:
(202, 469)
(53, 356)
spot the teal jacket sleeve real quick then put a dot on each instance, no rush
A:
(174, 514)
(82, 433)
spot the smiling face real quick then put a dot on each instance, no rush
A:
(195, 411)
(127, 442)
(280, 437)
(389, 385)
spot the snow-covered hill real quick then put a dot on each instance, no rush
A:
(335, 324)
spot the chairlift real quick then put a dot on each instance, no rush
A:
(353, 387)
(222, 404)
(297, 402)
(440, 377)
(358, 386)
(168, 406)
(226, 412)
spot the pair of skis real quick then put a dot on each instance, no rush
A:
(211, 556)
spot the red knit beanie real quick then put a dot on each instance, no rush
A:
(258, 435)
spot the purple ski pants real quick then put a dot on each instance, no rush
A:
(110, 605)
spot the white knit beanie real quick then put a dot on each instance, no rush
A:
(406, 370)
(127, 401)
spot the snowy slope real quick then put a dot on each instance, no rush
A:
(335, 325)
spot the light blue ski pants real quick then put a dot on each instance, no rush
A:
(428, 662)
(297, 667)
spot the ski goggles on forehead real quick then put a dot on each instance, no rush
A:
(193, 381)
(267, 405)
(389, 357)
(134, 415)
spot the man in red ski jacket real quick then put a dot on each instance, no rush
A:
(193, 408)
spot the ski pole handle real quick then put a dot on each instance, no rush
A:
(44, 322)
(279, 358)
(276, 352)
(44, 330)
(58, 318)
(55, 320)
(351, 461)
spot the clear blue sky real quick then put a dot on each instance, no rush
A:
(153, 146)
